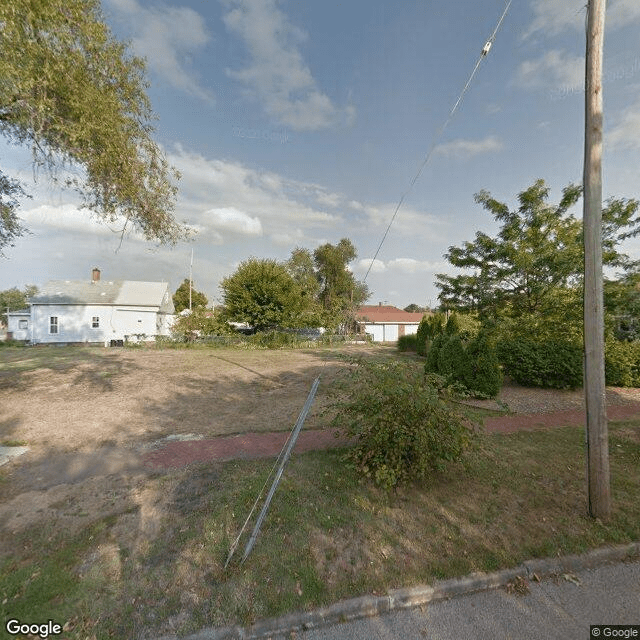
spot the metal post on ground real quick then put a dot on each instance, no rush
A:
(285, 458)
(598, 481)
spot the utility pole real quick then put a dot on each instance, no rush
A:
(598, 482)
(190, 278)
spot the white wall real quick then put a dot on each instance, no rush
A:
(75, 323)
(388, 332)
(13, 326)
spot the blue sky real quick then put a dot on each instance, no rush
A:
(299, 123)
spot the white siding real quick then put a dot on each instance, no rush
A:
(410, 329)
(388, 332)
(75, 323)
(13, 326)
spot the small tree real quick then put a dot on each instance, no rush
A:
(181, 297)
(200, 322)
(265, 295)
(15, 299)
(403, 431)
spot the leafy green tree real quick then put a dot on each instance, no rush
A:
(531, 271)
(72, 93)
(200, 322)
(15, 299)
(10, 226)
(414, 308)
(302, 269)
(340, 293)
(181, 297)
(264, 294)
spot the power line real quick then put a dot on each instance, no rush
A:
(483, 54)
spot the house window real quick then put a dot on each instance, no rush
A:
(53, 324)
(23, 324)
(95, 322)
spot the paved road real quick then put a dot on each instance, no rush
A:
(553, 609)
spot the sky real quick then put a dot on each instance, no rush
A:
(294, 124)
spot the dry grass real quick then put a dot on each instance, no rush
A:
(135, 555)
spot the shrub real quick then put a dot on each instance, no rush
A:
(433, 354)
(407, 343)
(483, 374)
(452, 358)
(453, 325)
(422, 335)
(403, 430)
(622, 363)
(550, 363)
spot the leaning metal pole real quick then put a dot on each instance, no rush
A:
(598, 482)
(285, 458)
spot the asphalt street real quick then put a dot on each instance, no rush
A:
(562, 607)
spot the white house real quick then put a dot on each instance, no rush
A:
(18, 324)
(385, 323)
(96, 311)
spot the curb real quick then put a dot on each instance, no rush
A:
(398, 599)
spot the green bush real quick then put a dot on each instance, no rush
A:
(552, 363)
(452, 358)
(622, 363)
(407, 343)
(453, 325)
(433, 354)
(473, 365)
(403, 430)
(483, 373)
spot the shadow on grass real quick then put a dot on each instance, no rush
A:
(94, 366)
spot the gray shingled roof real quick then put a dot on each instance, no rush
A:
(116, 292)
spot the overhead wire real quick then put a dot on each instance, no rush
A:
(436, 139)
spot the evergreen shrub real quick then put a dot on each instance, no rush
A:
(483, 373)
(407, 343)
(622, 363)
(552, 363)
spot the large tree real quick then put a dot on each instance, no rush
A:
(74, 95)
(181, 297)
(340, 293)
(531, 271)
(265, 295)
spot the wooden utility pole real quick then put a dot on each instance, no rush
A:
(598, 482)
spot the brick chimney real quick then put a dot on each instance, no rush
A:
(95, 274)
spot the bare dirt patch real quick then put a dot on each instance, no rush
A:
(89, 414)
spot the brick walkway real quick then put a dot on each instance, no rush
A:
(269, 444)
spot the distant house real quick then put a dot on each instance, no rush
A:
(18, 324)
(94, 311)
(385, 323)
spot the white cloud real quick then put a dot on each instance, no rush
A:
(465, 149)
(410, 265)
(277, 74)
(227, 196)
(402, 265)
(362, 266)
(408, 221)
(626, 133)
(71, 218)
(167, 37)
(556, 69)
(556, 16)
(230, 219)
